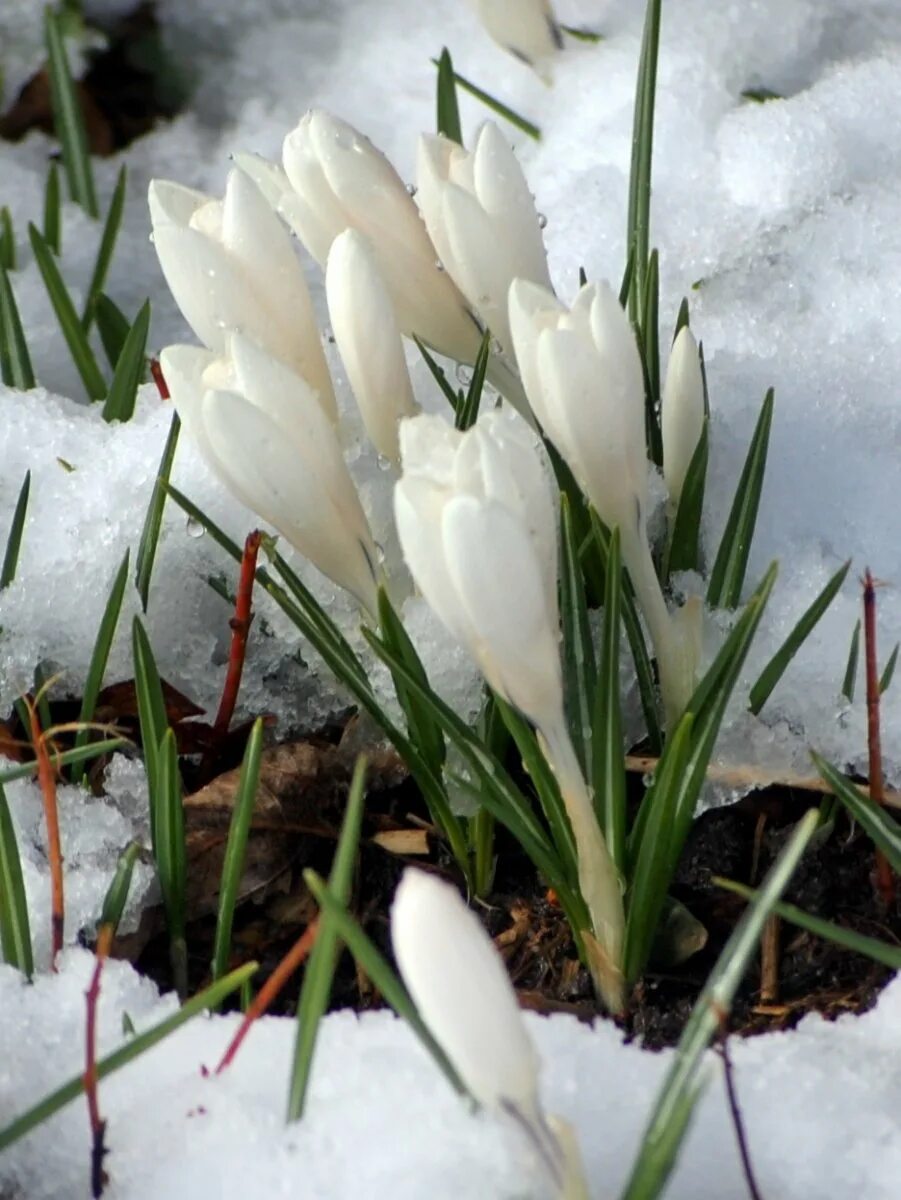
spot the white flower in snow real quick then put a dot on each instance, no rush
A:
(582, 374)
(528, 29)
(232, 268)
(477, 527)
(368, 339)
(481, 217)
(261, 429)
(682, 412)
(463, 994)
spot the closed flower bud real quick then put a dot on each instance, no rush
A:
(261, 429)
(682, 412)
(231, 267)
(370, 344)
(525, 28)
(481, 217)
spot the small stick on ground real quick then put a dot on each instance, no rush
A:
(885, 882)
(270, 990)
(240, 627)
(735, 1110)
(47, 781)
(98, 1125)
(769, 960)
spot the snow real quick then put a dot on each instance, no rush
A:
(381, 1121)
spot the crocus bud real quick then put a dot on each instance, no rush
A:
(682, 412)
(481, 217)
(582, 374)
(460, 987)
(368, 340)
(341, 181)
(262, 431)
(525, 28)
(231, 267)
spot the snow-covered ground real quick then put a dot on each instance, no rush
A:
(781, 222)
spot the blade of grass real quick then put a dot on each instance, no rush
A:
(448, 111)
(7, 241)
(850, 679)
(152, 718)
(129, 372)
(137, 1045)
(52, 211)
(120, 884)
(879, 826)
(888, 673)
(317, 982)
(438, 375)
(236, 846)
(113, 327)
(376, 967)
(76, 339)
(424, 730)
(468, 410)
(579, 667)
(683, 547)
(608, 772)
(728, 574)
(775, 668)
(68, 758)
(649, 341)
(171, 863)
(15, 931)
(14, 539)
(681, 1088)
(105, 249)
(153, 522)
(99, 659)
(67, 117)
(639, 213)
(497, 106)
(15, 361)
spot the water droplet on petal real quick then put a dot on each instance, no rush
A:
(542, 221)
(463, 374)
(411, 189)
(193, 528)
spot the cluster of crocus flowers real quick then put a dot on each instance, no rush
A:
(527, 29)
(463, 994)
(477, 525)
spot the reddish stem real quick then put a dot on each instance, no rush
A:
(47, 781)
(98, 1125)
(271, 988)
(240, 627)
(156, 373)
(885, 882)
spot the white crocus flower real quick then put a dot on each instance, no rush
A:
(582, 373)
(525, 28)
(460, 987)
(682, 412)
(261, 429)
(368, 340)
(477, 527)
(481, 217)
(232, 268)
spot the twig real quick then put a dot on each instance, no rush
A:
(270, 989)
(156, 373)
(885, 883)
(769, 960)
(735, 1111)
(98, 1125)
(47, 781)
(240, 627)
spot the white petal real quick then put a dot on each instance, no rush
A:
(461, 989)
(479, 259)
(183, 368)
(501, 189)
(209, 287)
(526, 28)
(682, 411)
(172, 203)
(368, 339)
(268, 176)
(531, 309)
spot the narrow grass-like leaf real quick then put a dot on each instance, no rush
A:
(422, 726)
(7, 241)
(775, 668)
(728, 574)
(151, 714)
(439, 375)
(68, 758)
(682, 318)
(99, 658)
(53, 210)
(117, 892)
(105, 249)
(76, 339)
(153, 522)
(376, 967)
(15, 361)
(850, 680)
(113, 327)
(468, 410)
(639, 214)
(649, 341)
(882, 828)
(579, 667)
(320, 969)
(129, 373)
(681, 1087)
(498, 106)
(448, 115)
(582, 35)
(67, 117)
(15, 932)
(625, 286)
(171, 860)
(608, 773)
(683, 547)
(848, 939)
(14, 537)
(210, 998)
(233, 863)
(888, 673)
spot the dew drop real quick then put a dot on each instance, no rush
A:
(411, 189)
(193, 528)
(463, 374)
(542, 221)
